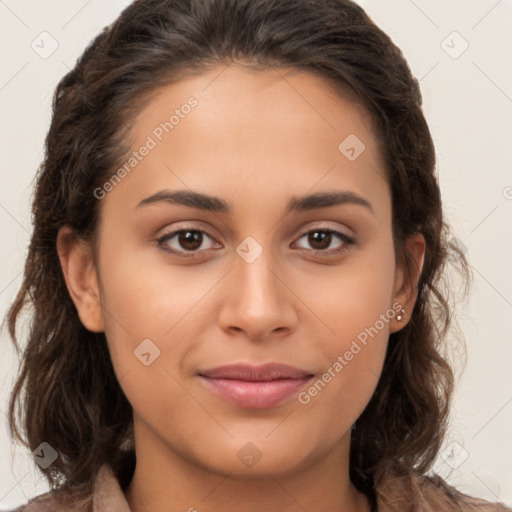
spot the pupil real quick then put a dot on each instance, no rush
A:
(324, 237)
(189, 239)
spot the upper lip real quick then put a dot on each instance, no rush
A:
(247, 372)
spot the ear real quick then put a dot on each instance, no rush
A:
(78, 267)
(407, 276)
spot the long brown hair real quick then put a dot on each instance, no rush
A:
(71, 398)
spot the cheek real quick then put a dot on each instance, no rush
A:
(145, 296)
(148, 299)
(354, 358)
(146, 329)
(354, 295)
(356, 306)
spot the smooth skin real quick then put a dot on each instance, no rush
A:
(254, 140)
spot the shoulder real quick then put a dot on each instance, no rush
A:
(107, 496)
(48, 503)
(67, 501)
(410, 491)
(435, 490)
(42, 503)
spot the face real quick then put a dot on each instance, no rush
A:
(259, 275)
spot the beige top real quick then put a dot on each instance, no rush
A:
(411, 493)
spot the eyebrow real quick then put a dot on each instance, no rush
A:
(205, 202)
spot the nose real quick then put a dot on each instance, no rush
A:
(258, 300)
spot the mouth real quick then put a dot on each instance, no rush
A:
(255, 387)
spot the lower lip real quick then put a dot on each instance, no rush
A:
(255, 395)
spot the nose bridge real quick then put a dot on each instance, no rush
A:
(253, 273)
(258, 301)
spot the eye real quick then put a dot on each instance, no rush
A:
(186, 240)
(320, 239)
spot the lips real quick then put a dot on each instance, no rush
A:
(265, 373)
(255, 387)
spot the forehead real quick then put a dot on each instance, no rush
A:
(253, 133)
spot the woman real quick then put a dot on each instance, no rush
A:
(236, 270)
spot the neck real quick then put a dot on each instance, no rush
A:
(164, 481)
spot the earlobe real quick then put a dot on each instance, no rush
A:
(407, 278)
(78, 268)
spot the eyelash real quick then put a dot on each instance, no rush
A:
(348, 242)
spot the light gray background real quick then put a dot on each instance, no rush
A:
(468, 104)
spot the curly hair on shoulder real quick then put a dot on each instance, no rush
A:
(66, 392)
